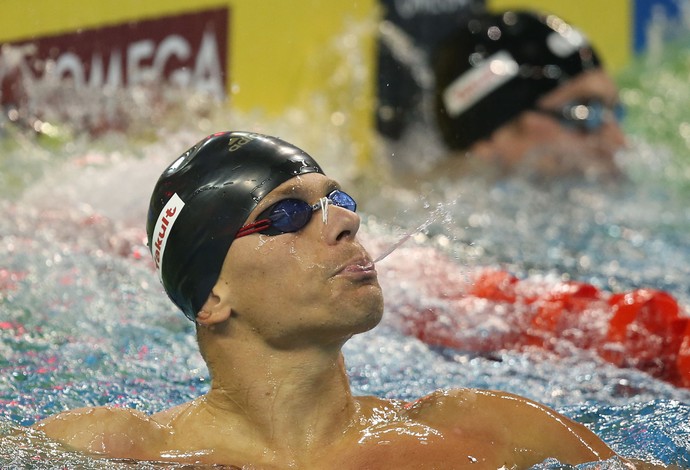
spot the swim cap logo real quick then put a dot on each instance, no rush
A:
(563, 45)
(166, 220)
(479, 82)
(235, 143)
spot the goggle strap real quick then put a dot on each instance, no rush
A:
(254, 227)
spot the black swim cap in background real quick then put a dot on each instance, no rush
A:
(498, 65)
(203, 198)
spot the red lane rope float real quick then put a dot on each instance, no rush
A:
(645, 327)
(649, 330)
(444, 304)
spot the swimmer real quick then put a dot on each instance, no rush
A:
(275, 291)
(519, 91)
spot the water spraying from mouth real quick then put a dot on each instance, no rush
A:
(433, 217)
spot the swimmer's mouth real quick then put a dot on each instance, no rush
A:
(358, 266)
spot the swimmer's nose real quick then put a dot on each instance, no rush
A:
(342, 224)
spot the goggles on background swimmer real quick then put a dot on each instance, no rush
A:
(585, 116)
(291, 215)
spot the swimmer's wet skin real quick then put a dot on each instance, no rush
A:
(273, 308)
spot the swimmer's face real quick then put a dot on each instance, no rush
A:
(316, 284)
(545, 145)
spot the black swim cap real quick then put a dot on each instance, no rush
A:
(498, 65)
(203, 198)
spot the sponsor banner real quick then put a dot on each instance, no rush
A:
(187, 50)
(274, 56)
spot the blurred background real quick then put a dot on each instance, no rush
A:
(272, 56)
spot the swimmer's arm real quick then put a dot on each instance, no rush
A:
(523, 431)
(640, 465)
(106, 432)
(561, 437)
(552, 434)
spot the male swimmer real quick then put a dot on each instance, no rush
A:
(237, 232)
(524, 92)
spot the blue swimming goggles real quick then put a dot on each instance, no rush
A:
(585, 116)
(291, 215)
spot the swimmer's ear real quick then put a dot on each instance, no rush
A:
(215, 310)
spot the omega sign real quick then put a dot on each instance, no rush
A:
(188, 50)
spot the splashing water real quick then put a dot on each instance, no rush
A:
(433, 217)
(84, 321)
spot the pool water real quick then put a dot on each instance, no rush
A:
(85, 322)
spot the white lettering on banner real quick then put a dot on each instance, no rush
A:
(207, 70)
(173, 46)
(114, 78)
(137, 52)
(69, 64)
(207, 73)
(96, 77)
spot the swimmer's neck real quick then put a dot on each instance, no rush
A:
(285, 396)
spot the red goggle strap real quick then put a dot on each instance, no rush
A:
(254, 227)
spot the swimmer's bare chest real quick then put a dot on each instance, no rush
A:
(389, 446)
(400, 449)
(456, 429)
(389, 435)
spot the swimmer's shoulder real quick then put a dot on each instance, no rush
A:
(107, 431)
(516, 421)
